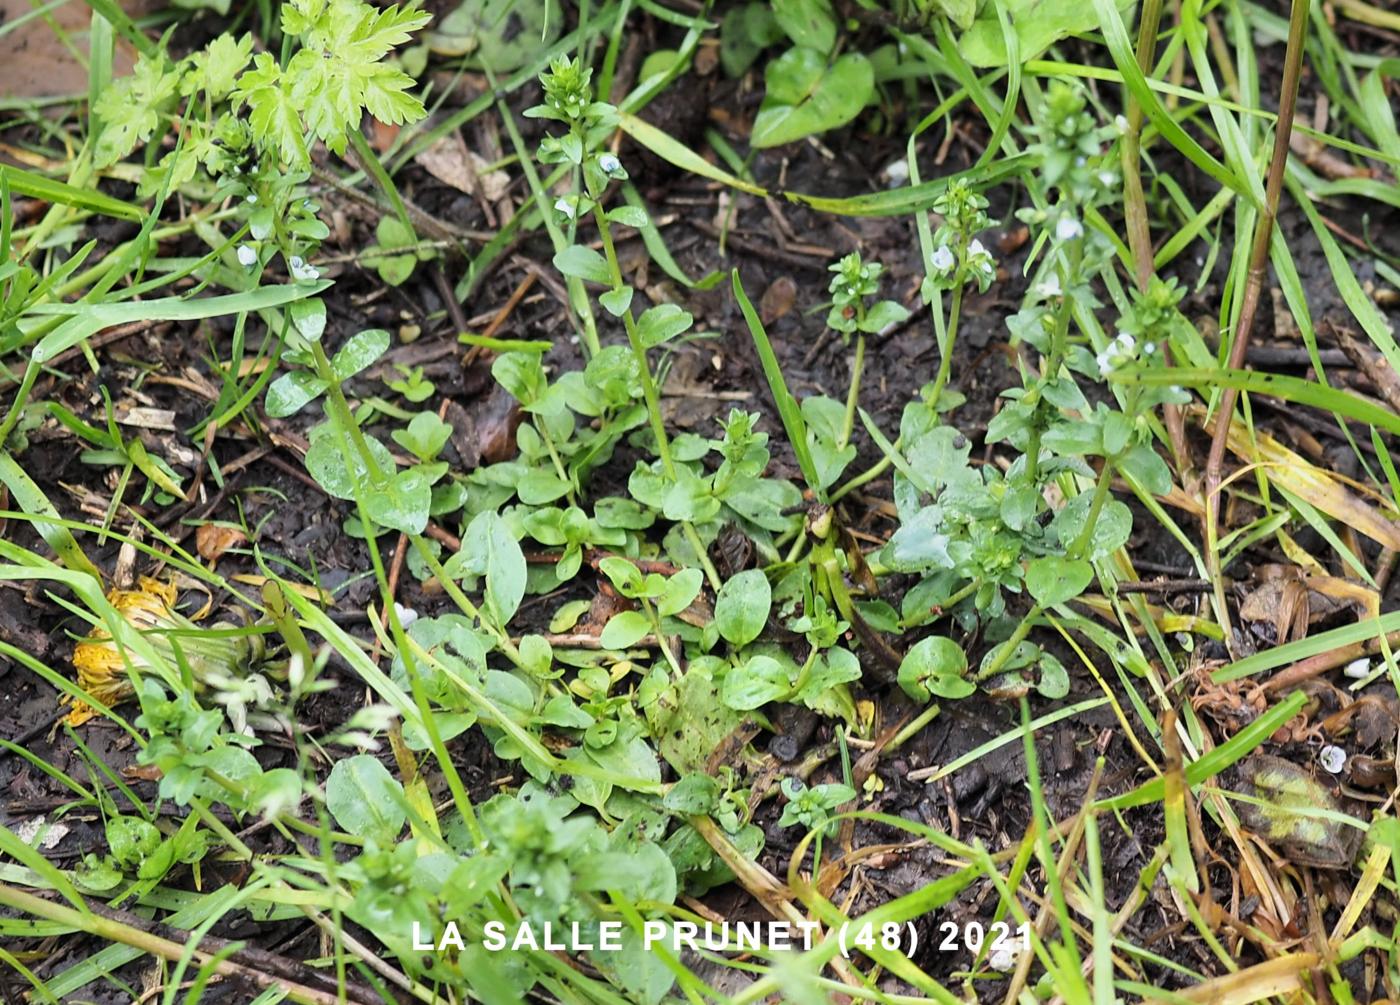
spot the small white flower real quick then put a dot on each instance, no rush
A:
(896, 173)
(1357, 669)
(1002, 959)
(1332, 758)
(1050, 287)
(1176, 389)
(252, 197)
(1105, 362)
(247, 257)
(608, 163)
(942, 259)
(297, 266)
(1121, 121)
(564, 206)
(1068, 229)
(1107, 178)
(1127, 342)
(1149, 348)
(407, 615)
(975, 250)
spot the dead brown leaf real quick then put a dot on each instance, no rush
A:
(211, 540)
(778, 299)
(450, 162)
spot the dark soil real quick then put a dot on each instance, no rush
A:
(781, 251)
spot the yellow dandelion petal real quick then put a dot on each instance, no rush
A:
(100, 665)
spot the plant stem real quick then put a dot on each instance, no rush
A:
(1074, 551)
(912, 728)
(366, 156)
(853, 395)
(1052, 367)
(1135, 211)
(1134, 202)
(649, 394)
(1081, 543)
(1258, 265)
(342, 416)
(945, 363)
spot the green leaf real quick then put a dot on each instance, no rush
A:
(292, 392)
(761, 680)
(681, 590)
(935, 666)
(58, 193)
(308, 317)
(272, 111)
(624, 629)
(403, 503)
(494, 552)
(745, 32)
(1053, 682)
(1053, 580)
(1146, 467)
(617, 301)
(788, 410)
(579, 262)
(809, 23)
(661, 324)
(741, 609)
(359, 351)
(884, 314)
(629, 216)
(692, 795)
(1038, 24)
(806, 96)
(364, 798)
(960, 12)
(47, 520)
(338, 474)
(425, 436)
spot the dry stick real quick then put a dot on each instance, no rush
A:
(1258, 264)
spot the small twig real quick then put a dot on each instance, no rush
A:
(1166, 586)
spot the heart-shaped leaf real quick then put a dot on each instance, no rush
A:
(403, 503)
(935, 666)
(806, 96)
(756, 683)
(1053, 580)
(624, 629)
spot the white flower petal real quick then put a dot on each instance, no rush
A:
(1068, 229)
(1332, 758)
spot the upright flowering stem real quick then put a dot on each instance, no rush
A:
(945, 363)
(649, 393)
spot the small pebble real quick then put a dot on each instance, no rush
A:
(1357, 669)
(1332, 758)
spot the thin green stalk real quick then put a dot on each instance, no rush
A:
(1052, 366)
(370, 162)
(853, 395)
(650, 395)
(945, 363)
(1134, 202)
